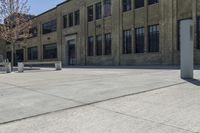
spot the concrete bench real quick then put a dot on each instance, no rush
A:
(6, 66)
(58, 64)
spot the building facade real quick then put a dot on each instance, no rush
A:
(111, 32)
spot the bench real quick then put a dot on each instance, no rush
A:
(58, 64)
(6, 66)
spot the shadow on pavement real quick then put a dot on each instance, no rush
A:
(193, 81)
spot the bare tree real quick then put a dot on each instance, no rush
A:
(15, 22)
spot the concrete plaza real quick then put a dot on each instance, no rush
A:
(99, 100)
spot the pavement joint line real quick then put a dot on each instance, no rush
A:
(84, 104)
(139, 118)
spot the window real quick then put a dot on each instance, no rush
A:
(32, 53)
(139, 40)
(50, 51)
(150, 2)
(9, 55)
(198, 34)
(107, 8)
(98, 45)
(77, 17)
(139, 3)
(127, 42)
(65, 21)
(33, 32)
(90, 46)
(98, 10)
(126, 5)
(108, 44)
(154, 38)
(49, 27)
(71, 19)
(90, 13)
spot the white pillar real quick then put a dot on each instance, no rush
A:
(58, 65)
(20, 67)
(186, 49)
(8, 67)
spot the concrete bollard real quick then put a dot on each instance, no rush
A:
(8, 67)
(58, 66)
(20, 67)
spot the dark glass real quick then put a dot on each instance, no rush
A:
(50, 51)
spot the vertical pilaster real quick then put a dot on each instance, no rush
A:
(116, 31)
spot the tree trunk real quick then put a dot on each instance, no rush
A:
(12, 56)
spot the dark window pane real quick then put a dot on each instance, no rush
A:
(139, 3)
(98, 45)
(90, 46)
(33, 53)
(98, 10)
(154, 38)
(33, 31)
(71, 19)
(90, 13)
(19, 55)
(50, 51)
(127, 42)
(139, 40)
(77, 17)
(108, 44)
(49, 27)
(126, 5)
(65, 21)
(107, 8)
(152, 1)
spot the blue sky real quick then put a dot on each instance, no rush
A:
(40, 6)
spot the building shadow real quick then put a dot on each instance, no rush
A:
(193, 81)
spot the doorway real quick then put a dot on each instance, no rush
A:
(71, 52)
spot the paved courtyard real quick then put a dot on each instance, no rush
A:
(95, 100)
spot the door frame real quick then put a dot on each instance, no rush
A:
(66, 51)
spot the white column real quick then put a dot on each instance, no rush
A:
(187, 49)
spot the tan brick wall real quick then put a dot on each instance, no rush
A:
(166, 14)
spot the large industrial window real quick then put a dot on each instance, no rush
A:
(90, 13)
(107, 8)
(198, 33)
(50, 51)
(153, 32)
(71, 19)
(108, 44)
(98, 9)
(98, 45)
(65, 21)
(150, 2)
(139, 40)
(91, 46)
(126, 5)
(33, 53)
(49, 27)
(127, 42)
(77, 17)
(139, 3)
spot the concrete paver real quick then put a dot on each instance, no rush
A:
(99, 100)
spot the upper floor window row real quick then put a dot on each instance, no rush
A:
(71, 19)
(98, 10)
(49, 27)
(127, 4)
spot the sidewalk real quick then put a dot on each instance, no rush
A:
(99, 101)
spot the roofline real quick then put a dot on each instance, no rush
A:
(51, 9)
